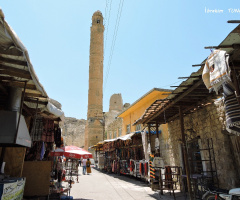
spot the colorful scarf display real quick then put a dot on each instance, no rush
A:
(48, 131)
(232, 109)
(152, 170)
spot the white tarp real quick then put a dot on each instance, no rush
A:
(125, 137)
(55, 111)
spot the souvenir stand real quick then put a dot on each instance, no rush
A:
(125, 155)
(46, 135)
(71, 155)
(22, 99)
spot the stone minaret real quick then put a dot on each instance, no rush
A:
(95, 123)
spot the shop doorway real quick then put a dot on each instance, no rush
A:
(195, 156)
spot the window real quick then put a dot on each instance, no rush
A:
(98, 21)
(115, 134)
(138, 127)
(128, 128)
(119, 132)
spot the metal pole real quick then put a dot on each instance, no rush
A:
(2, 157)
(185, 154)
(20, 113)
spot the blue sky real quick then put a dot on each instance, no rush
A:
(156, 42)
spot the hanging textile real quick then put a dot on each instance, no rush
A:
(232, 109)
(113, 166)
(168, 177)
(48, 131)
(42, 151)
(34, 153)
(37, 130)
(131, 165)
(216, 70)
(146, 169)
(57, 137)
(152, 170)
(140, 168)
(144, 143)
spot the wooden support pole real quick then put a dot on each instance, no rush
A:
(157, 130)
(158, 139)
(149, 131)
(185, 153)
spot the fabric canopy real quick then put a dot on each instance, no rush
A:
(72, 152)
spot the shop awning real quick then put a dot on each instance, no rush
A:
(16, 70)
(125, 137)
(191, 94)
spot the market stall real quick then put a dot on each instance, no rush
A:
(69, 157)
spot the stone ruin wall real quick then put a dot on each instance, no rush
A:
(208, 122)
(73, 131)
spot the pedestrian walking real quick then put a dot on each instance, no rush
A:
(59, 173)
(88, 163)
(84, 161)
(80, 161)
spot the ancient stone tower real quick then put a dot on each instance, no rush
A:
(95, 123)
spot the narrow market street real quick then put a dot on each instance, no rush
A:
(103, 186)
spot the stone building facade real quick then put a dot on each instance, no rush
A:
(114, 129)
(205, 123)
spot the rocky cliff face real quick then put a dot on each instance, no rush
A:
(73, 131)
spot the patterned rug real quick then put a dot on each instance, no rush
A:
(232, 109)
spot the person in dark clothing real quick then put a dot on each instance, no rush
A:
(80, 162)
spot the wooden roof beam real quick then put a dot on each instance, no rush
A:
(16, 74)
(12, 61)
(20, 84)
(234, 46)
(27, 94)
(35, 101)
(14, 69)
(234, 21)
(193, 87)
(190, 77)
(180, 86)
(11, 52)
(198, 65)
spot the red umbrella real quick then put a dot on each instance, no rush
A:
(57, 152)
(72, 152)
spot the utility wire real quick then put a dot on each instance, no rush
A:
(113, 41)
(106, 10)
(107, 23)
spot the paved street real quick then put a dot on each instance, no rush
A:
(103, 186)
